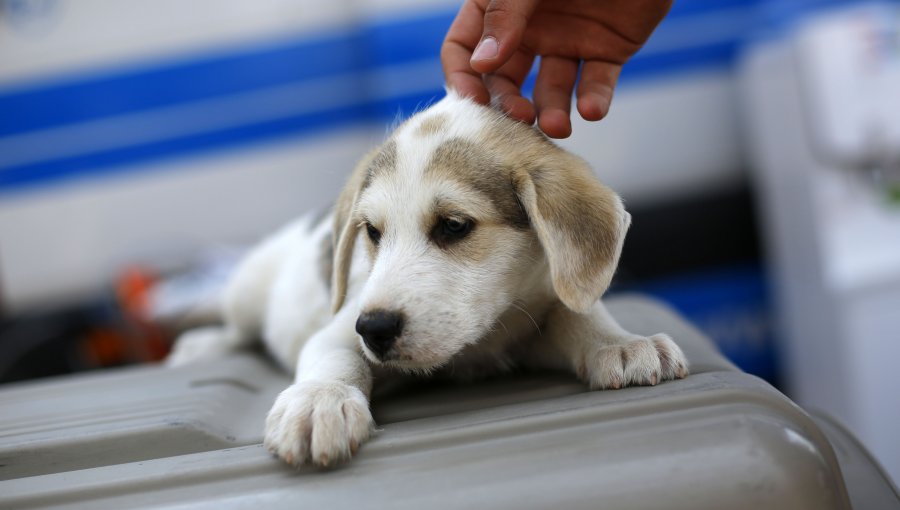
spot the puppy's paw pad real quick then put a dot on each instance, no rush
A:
(318, 423)
(636, 362)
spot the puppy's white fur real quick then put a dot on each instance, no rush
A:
(521, 288)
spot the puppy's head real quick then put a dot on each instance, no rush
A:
(464, 212)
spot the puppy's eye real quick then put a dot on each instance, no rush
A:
(373, 232)
(455, 228)
(449, 230)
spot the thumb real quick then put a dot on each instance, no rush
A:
(504, 25)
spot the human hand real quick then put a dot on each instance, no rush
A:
(598, 36)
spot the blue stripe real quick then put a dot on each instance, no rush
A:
(359, 53)
(118, 160)
(62, 102)
(693, 7)
(27, 108)
(95, 97)
(713, 56)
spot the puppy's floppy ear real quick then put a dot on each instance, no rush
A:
(346, 228)
(580, 223)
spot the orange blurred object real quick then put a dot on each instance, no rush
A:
(133, 296)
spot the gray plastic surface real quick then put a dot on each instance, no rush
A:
(867, 483)
(157, 438)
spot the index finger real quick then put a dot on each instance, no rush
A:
(463, 36)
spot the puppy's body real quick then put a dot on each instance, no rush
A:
(467, 244)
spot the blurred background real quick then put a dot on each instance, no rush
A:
(144, 144)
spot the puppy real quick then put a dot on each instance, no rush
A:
(467, 244)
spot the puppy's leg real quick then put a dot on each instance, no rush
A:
(324, 416)
(604, 355)
(202, 344)
(245, 300)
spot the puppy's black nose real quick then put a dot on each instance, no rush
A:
(379, 329)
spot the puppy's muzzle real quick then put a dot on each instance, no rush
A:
(379, 330)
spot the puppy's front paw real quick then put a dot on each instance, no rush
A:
(634, 362)
(319, 423)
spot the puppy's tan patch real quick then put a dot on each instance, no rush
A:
(470, 165)
(431, 125)
(593, 206)
(580, 222)
(384, 161)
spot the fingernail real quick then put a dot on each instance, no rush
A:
(486, 49)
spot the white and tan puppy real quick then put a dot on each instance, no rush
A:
(467, 244)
